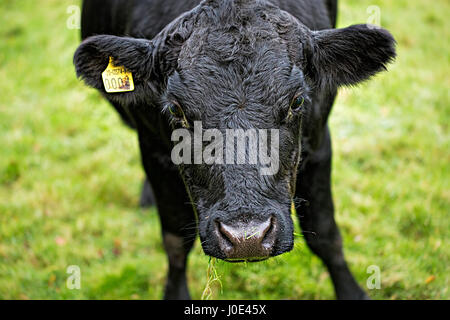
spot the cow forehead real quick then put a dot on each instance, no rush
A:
(239, 36)
(249, 89)
(234, 60)
(242, 65)
(234, 55)
(232, 78)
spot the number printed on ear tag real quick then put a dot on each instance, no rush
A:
(117, 78)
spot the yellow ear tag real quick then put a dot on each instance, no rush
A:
(117, 78)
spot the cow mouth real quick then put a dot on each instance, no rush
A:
(246, 260)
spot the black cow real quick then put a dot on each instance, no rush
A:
(234, 64)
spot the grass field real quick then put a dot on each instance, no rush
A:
(70, 173)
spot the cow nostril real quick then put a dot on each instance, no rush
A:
(246, 240)
(225, 238)
(269, 236)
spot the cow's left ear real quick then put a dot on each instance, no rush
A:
(93, 56)
(350, 55)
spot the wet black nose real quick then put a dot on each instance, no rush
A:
(251, 241)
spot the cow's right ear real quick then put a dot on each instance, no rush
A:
(136, 55)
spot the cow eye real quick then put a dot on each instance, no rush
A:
(297, 103)
(175, 110)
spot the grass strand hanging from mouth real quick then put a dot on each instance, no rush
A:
(212, 277)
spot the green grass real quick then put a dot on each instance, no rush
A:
(70, 174)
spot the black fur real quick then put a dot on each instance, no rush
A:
(234, 64)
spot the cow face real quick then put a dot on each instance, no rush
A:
(235, 82)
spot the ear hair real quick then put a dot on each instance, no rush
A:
(350, 55)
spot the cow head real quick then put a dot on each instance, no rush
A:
(243, 67)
